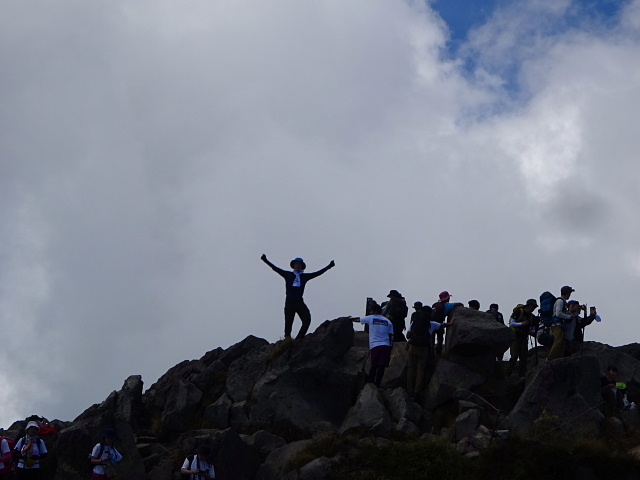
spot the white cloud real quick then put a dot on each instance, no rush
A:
(152, 151)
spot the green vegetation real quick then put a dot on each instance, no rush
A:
(516, 459)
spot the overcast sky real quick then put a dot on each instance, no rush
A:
(151, 151)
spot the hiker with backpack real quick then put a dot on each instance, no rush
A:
(199, 466)
(396, 310)
(560, 318)
(104, 455)
(295, 282)
(380, 342)
(440, 312)
(29, 450)
(6, 457)
(421, 329)
(494, 310)
(520, 323)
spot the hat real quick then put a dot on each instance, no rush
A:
(573, 302)
(298, 259)
(109, 433)
(204, 450)
(532, 301)
(32, 424)
(566, 289)
(394, 293)
(417, 305)
(444, 296)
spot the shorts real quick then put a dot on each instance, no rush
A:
(380, 356)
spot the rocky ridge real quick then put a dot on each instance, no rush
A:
(261, 406)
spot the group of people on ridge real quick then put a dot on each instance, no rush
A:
(559, 323)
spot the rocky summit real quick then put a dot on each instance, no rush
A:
(302, 409)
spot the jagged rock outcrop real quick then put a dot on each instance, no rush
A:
(563, 393)
(262, 407)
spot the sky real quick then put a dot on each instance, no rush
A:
(152, 150)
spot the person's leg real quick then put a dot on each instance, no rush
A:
(289, 313)
(305, 317)
(379, 375)
(412, 369)
(440, 340)
(557, 349)
(514, 352)
(524, 355)
(421, 369)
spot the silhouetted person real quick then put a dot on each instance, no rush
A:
(295, 282)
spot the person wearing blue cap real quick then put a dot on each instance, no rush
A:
(294, 303)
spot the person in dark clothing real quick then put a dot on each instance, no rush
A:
(440, 312)
(295, 282)
(474, 304)
(396, 310)
(520, 323)
(612, 396)
(493, 310)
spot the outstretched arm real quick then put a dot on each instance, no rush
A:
(320, 272)
(273, 267)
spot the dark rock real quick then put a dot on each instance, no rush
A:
(467, 423)
(476, 334)
(274, 467)
(265, 442)
(561, 390)
(447, 379)
(368, 413)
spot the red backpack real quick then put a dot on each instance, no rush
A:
(8, 458)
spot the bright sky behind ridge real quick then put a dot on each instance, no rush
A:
(152, 151)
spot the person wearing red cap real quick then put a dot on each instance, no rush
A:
(295, 282)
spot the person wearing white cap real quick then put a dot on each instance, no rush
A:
(295, 282)
(30, 449)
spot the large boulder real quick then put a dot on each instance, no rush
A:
(475, 333)
(562, 394)
(275, 466)
(369, 413)
(76, 442)
(446, 380)
(310, 383)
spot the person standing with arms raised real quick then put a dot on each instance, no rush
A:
(295, 282)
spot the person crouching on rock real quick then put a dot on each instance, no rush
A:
(295, 282)
(199, 466)
(380, 342)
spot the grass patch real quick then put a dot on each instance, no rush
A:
(402, 460)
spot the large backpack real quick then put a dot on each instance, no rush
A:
(420, 336)
(7, 465)
(547, 300)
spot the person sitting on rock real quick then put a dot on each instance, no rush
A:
(380, 342)
(295, 282)
(441, 310)
(520, 323)
(104, 455)
(420, 332)
(199, 466)
(612, 395)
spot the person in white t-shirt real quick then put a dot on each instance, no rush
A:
(104, 455)
(199, 467)
(380, 342)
